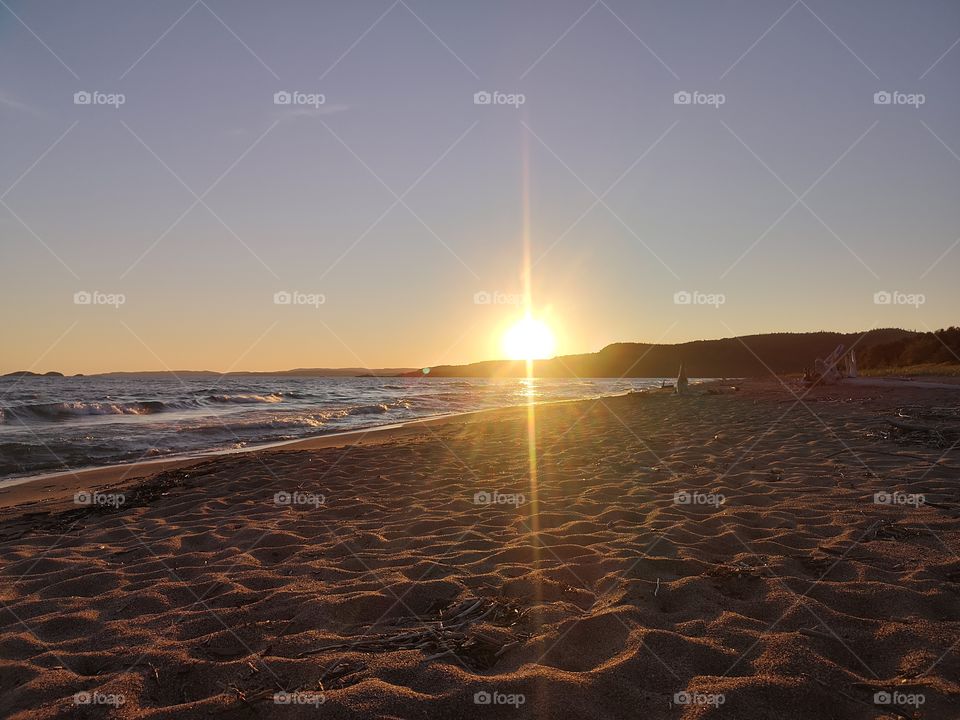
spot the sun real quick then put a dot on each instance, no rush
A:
(529, 339)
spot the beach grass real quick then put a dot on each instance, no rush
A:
(919, 370)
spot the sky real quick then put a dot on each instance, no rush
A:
(166, 222)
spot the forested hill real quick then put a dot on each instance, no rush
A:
(747, 356)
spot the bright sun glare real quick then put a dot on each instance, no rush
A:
(529, 339)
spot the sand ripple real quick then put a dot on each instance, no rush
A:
(778, 585)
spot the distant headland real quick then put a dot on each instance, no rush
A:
(879, 351)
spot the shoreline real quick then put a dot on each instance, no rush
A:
(62, 484)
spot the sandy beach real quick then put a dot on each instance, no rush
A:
(764, 552)
(501, 361)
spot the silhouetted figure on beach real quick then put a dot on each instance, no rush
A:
(682, 381)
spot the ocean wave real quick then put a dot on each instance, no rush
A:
(258, 424)
(246, 398)
(264, 420)
(370, 409)
(68, 410)
(378, 408)
(228, 394)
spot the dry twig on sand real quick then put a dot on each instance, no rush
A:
(451, 635)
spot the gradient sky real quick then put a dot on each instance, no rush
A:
(293, 198)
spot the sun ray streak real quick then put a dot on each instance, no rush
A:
(534, 505)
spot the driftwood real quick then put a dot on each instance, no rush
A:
(937, 427)
(450, 635)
